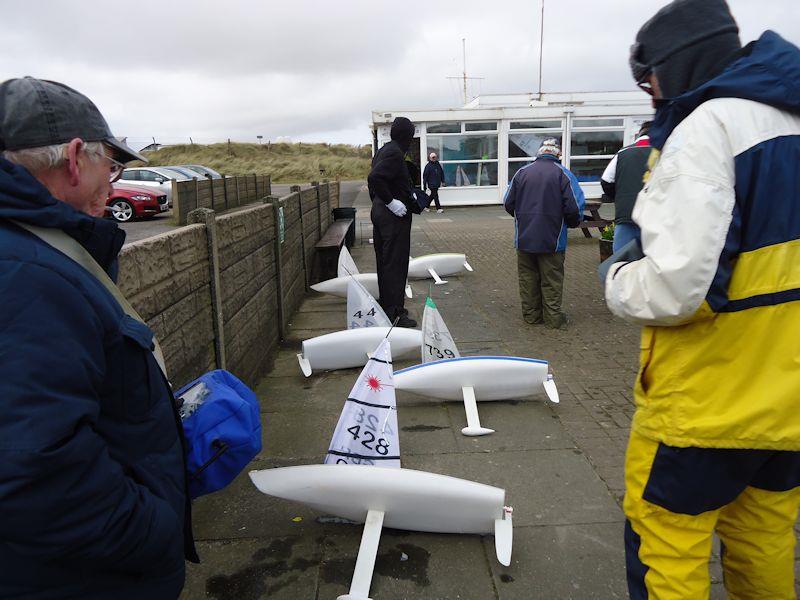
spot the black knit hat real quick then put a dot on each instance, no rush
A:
(685, 43)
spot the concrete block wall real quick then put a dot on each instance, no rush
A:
(217, 194)
(334, 188)
(248, 285)
(292, 264)
(167, 280)
(311, 225)
(324, 205)
(219, 293)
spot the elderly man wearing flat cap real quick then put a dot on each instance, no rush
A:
(92, 476)
(715, 440)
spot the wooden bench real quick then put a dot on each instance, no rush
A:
(326, 257)
(592, 218)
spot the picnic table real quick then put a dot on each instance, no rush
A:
(592, 218)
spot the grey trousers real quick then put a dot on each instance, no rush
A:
(541, 286)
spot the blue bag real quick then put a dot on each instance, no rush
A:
(222, 424)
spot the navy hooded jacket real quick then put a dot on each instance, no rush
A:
(544, 198)
(92, 484)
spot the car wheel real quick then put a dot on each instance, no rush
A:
(122, 210)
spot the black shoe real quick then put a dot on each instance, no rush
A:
(406, 321)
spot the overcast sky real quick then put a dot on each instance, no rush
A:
(313, 70)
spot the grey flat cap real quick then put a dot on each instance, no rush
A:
(37, 112)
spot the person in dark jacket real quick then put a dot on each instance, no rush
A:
(544, 198)
(92, 473)
(622, 181)
(433, 178)
(390, 191)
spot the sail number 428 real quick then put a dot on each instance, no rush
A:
(382, 447)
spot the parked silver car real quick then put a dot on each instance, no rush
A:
(205, 171)
(159, 178)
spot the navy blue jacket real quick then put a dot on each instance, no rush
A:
(433, 175)
(92, 485)
(544, 198)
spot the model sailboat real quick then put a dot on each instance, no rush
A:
(446, 375)
(362, 480)
(367, 326)
(346, 271)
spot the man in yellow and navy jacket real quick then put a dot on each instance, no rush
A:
(715, 441)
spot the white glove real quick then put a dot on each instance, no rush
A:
(397, 207)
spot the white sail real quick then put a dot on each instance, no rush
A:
(437, 343)
(366, 433)
(362, 309)
(347, 266)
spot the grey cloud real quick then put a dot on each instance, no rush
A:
(316, 68)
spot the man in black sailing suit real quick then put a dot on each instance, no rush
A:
(390, 191)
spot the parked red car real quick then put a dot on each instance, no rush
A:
(133, 202)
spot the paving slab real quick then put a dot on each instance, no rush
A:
(518, 425)
(410, 565)
(563, 561)
(545, 487)
(284, 568)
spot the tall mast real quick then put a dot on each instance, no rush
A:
(541, 47)
(464, 57)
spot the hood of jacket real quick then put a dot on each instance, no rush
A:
(767, 71)
(402, 132)
(23, 198)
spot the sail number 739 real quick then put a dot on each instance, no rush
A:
(434, 351)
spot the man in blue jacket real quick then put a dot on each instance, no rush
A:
(92, 475)
(433, 178)
(544, 198)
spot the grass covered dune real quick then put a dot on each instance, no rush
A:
(285, 163)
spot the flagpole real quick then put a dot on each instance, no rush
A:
(541, 48)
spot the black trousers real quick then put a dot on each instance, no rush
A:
(435, 197)
(391, 236)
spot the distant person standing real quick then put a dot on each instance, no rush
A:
(622, 181)
(390, 191)
(433, 178)
(544, 198)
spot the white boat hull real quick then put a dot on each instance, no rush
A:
(491, 377)
(411, 500)
(443, 264)
(349, 348)
(338, 285)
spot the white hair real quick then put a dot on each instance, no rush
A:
(45, 158)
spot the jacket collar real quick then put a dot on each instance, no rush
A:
(23, 198)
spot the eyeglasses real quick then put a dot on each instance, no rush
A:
(116, 169)
(645, 87)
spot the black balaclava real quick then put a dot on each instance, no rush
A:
(685, 44)
(402, 132)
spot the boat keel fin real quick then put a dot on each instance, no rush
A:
(305, 366)
(504, 537)
(367, 552)
(473, 427)
(551, 389)
(436, 279)
(468, 267)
